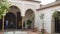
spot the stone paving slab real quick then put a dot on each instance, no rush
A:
(21, 32)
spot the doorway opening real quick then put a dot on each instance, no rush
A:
(10, 21)
(13, 19)
(29, 19)
(56, 22)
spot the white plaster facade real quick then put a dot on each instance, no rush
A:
(24, 6)
(48, 12)
(48, 19)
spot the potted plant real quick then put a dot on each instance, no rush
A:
(29, 23)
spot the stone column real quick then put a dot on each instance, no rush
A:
(22, 22)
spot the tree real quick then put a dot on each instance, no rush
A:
(3, 7)
(3, 10)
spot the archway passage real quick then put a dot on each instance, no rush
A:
(10, 21)
(13, 19)
(29, 19)
(57, 21)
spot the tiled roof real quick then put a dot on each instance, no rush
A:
(49, 5)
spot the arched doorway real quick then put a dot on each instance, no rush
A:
(56, 22)
(13, 19)
(29, 19)
(10, 21)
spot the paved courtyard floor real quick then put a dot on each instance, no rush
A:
(30, 32)
(22, 32)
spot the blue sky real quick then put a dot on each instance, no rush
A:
(44, 2)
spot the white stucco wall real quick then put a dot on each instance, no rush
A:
(24, 6)
(47, 18)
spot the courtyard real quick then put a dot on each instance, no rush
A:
(29, 17)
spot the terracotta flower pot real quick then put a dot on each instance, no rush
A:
(43, 30)
(35, 29)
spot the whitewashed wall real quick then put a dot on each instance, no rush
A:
(47, 18)
(24, 6)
